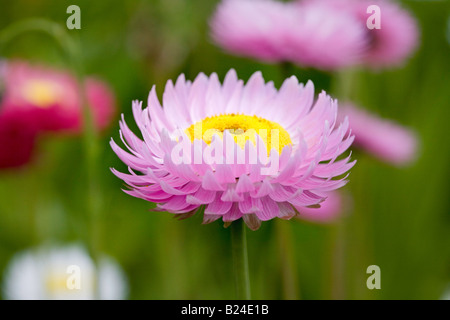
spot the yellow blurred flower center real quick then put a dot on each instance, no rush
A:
(57, 282)
(242, 128)
(43, 94)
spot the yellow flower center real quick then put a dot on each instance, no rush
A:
(57, 282)
(242, 128)
(43, 94)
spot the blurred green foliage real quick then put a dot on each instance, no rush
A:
(399, 219)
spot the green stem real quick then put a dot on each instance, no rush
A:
(344, 84)
(286, 70)
(50, 28)
(344, 87)
(334, 260)
(289, 272)
(240, 260)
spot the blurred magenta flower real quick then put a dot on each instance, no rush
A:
(331, 209)
(51, 97)
(311, 35)
(391, 44)
(50, 273)
(17, 139)
(383, 138)
(245, 151)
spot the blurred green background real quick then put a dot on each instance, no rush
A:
(399, 218)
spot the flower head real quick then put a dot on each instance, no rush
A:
(251, 28)
(388, 44)
(322, 38)
(310, 34)
(385, 139)
(62, 273)
(240, 150)
(323, 34)
(51, 97)
(396, 39)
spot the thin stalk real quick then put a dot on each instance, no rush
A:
(286, 251)
(344, 84)
(240, 260)
(335, 250)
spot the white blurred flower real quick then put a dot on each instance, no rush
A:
(62, 273)
(446, 293)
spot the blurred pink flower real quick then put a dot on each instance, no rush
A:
(310, 34)
(17, 139)
(331, 209)
(384, 139)
(393, 42)
(301, 168)
(397, 38)
(252, 28)
(322, 38)
(323, 34)
(35, 99)
(102, 101)
(51, 97)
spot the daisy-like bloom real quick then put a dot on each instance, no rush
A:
(329, 211)
(62, 273)
(390, 44)
(52, 97)
(311, 34)
(384, 139)
(239, 150)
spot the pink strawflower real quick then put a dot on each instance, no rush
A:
(252, 28)
(311, 34)
(383, 138)
(397, 38)
(393, 42)
(323, 38)
(17, 139)
(330, 210)
(207, 146)
(52, 97)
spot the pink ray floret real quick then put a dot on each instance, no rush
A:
(383, 138)
(330, 210)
